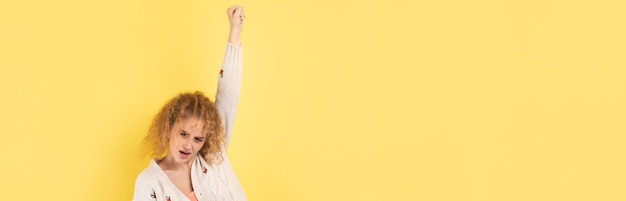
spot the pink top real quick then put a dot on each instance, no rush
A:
(192, 196)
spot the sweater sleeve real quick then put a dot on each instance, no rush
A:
(229, 88)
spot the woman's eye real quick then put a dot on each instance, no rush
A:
(183, 134)
(198, 140)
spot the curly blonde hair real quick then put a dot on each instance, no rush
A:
(184, 106)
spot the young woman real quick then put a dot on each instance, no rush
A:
(189, 137)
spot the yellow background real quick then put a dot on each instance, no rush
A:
(342, 100)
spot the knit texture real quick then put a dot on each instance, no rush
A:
(210, 182)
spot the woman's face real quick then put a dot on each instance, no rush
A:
(186, 139)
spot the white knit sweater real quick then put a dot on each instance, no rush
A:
(210, 182)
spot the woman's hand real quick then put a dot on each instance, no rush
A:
(236, 17)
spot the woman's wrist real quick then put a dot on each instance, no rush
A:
(234, 37)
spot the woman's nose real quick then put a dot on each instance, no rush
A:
(187, 144)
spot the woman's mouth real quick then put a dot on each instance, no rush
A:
(183, 154)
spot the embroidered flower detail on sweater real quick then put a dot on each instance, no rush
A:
(204, 170)
(153, 195)
(222, 73)
(168, 198)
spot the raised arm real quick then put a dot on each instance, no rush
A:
(229, 81)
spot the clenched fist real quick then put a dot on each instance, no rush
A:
(235, 17)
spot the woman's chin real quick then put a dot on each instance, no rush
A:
(184, 158)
